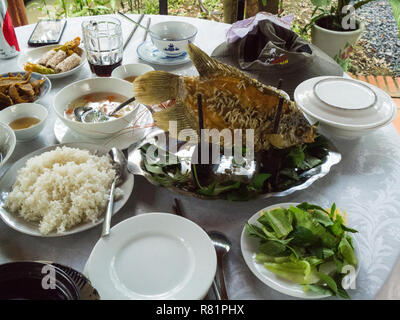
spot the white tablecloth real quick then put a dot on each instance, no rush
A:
(366, 184)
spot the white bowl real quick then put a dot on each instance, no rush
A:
(34, 55)
(7, 142)
(80, 88)
(25, 110)
(131, 70)
(179, 35)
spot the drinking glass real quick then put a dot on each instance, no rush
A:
(104, 45)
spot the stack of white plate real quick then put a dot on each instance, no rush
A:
(344, 107)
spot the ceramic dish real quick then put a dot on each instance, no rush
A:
(249, 248)
(99, 130)
(344, 103)
(31, 228)
(34, 55)
(149, 53)
(131, 70)
(22, 110)
(172, 37)
(7, 143)
(44, 89)
(158, 256)
(136, 131)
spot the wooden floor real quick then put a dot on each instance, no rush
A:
(391, 86)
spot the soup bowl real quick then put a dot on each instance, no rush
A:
(131, 70)
(172, 37)
(98, 130)
(23, 110)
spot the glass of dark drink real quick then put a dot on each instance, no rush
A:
(104, 45)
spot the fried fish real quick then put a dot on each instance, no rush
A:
(231, 100)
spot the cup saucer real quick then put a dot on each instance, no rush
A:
(149, 53)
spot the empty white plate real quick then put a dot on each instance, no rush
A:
(249, 246)
(344, 103)
(153, 256)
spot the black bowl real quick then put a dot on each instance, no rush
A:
(35, 281)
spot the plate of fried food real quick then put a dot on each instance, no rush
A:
(55, 61)
(22, 87)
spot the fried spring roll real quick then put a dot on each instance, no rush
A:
(69, 63)
(56, 59)
(46, 57)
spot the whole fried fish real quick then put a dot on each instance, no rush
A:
(230, 99)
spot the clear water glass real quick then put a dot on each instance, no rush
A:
(103, 42)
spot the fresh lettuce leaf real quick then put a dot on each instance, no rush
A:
(280, 221)
(299, 271)
(347, 252)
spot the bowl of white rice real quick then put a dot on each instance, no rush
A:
(60, 190)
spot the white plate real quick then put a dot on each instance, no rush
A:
(249, 246)
(34, 55)
(156, 256)
(149, 53)
(31, 228)
(137, 130)
(344, 103)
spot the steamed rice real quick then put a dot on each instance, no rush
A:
(62, 188)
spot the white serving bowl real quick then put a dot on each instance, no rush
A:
(7, 142)
(25, 110)
(345, 108)
(131, 70)
(80, 88)
(181, 33)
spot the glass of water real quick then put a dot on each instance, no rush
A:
(104, 45)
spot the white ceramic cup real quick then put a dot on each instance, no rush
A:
(172, 37)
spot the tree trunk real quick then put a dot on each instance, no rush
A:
(255, 6)
(230, 11)
(16, 8)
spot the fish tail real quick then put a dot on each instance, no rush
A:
(155, 87)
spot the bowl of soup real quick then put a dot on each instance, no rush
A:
(27, 120)
(86, 106)
(172, 37)
(129, 72)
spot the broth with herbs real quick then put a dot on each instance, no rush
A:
(102, 102)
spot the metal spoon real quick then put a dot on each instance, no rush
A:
(87, 114)
(119, 164)
(222, 246)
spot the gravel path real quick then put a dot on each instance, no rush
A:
(381, 33)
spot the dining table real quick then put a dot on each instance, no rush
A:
(366, 183)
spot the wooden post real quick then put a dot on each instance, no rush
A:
(17, 11)
(255, 6)
(230, 11)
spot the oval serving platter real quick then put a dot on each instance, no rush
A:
(31, 228)
(137, 166)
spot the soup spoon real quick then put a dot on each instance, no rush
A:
(119, 164)
(87, 114)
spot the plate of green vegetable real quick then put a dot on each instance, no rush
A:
(302, 250)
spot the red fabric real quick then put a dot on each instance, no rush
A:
(9, 33)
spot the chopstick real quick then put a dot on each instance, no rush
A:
(137, 23)
(133, 31)
(147, 26)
